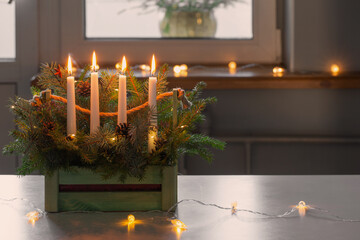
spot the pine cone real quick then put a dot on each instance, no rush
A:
(83, 88)
(122, 129)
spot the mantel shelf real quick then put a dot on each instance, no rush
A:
(217, 78)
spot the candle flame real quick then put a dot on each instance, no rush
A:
(123, 64)
(153, 66)
(93, 66)
(69, 65)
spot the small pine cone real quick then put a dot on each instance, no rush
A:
(83, 88)
(122, 129)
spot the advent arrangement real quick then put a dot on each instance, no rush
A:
(108, 123)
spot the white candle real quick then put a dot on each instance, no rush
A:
(122, 105)
(71, 112)
(94, 98)
(152, 104)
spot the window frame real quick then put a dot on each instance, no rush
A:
(263, 48)
(20, 70)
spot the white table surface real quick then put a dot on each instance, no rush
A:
(269, 194)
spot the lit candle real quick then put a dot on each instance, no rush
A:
(71, 112)
(122, 105)
(152, 104)
(94, 98)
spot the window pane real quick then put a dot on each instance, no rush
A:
(7, 29)
(128, 19)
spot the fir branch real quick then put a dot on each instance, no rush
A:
(41, 136)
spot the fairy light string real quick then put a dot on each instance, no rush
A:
(172, 217)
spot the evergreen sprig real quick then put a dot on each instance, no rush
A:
(40, 136)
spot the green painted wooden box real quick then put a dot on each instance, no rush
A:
(85, 191)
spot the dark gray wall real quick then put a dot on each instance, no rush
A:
(285, 131)
(321, 32)
(8, 164)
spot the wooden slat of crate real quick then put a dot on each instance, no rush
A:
(166, 176)
(169, 187)
(109, 201)
(83, 176)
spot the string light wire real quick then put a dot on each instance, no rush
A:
(311, 210)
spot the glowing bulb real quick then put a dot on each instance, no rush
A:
(70, 137)
(278, 70)
(116, 89)
(177, 69)
(233, 208)
(33, 217)
(131, 219)
(113, 139)
(302, 207)
(12, 106)
(94, 66)
(117, 66)
(69, 65)
(335, 69)
(123, 64)
(232, 65)
(145, 67)
(183, 67)
(153, 65)
(179, 224)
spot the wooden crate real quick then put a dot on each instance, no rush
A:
(85, 191)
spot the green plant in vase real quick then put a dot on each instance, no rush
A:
(188, 18)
